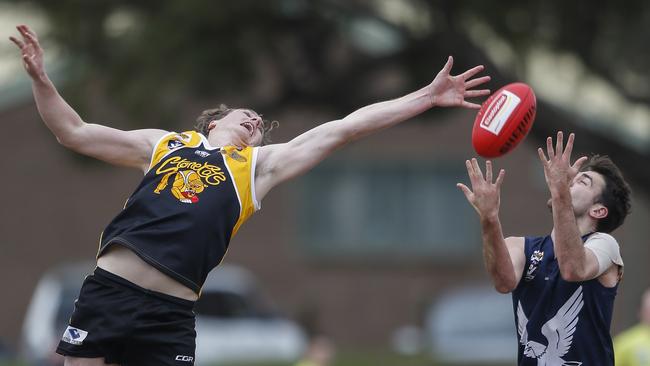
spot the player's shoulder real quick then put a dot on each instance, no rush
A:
(173, 139)
(601, 237)
(515, 239)
(603, 244)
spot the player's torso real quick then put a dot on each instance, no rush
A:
(564, 321)
(192, 200)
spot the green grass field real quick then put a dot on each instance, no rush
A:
(346, 358)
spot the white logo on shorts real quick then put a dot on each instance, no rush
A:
(184, 358)
(74, 335)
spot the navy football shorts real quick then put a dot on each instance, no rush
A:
(129, 325)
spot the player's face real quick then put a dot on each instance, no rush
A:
(246, 124)
(586, 189)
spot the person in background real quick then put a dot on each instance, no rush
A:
(632, 347)
(320, 352)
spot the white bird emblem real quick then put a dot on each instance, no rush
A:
(558, 332)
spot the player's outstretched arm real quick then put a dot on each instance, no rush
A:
(575, 261)
(280, 162)
(126, 148)
(504, 258)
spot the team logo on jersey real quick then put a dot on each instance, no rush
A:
(186, 187)
(235, 156)
(558, 332)
(74, 336)
(174, 144)
(201, 153)
(190, 178)
(179, 140)
(535, 259)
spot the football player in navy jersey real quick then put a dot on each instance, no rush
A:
(563, 284)
(198, 188)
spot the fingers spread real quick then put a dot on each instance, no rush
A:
(542, 157)
(476, 93)
(578, 164)
(465, 104)
(17, 42)
(471, 72)
(478, 81)
(502, 173)
(549, 148)
(447, 68)
(569, 146)
(30, 31)
(488, 171)
(477, 169)
(465, 189)
(470, 169)
(559, 143)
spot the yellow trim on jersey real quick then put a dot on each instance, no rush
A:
(240, 164)
(184, 139)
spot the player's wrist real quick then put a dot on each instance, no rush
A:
(559, 190)
(489, 218)
(41, 80)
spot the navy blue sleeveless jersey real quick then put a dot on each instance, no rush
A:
(560, 322)
(190, 203)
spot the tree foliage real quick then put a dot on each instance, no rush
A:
(172, 47)
(154, 55)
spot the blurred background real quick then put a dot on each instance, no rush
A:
(374, 257)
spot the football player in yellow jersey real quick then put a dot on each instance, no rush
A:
(123, 268)
(632, 347)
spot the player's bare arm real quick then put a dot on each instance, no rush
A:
(504, 258)
(280, 162)
(576, 262)
(125, 148)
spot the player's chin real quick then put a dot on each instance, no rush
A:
(549, 204)
(255, 141)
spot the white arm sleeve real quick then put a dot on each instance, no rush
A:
(606, 250)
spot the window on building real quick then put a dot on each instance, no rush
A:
(401, 210)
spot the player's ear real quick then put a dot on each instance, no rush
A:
(598, 211)
(212, 125)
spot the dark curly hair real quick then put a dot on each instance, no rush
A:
(209, 115)
(616, 194)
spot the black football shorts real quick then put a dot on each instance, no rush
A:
(129, 325)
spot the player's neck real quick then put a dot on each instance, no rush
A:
(223, 139)
(585, 225)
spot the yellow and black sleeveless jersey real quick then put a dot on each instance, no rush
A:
(189, 205)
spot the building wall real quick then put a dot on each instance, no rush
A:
(56, 204)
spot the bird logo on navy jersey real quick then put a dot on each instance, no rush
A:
(558, 333)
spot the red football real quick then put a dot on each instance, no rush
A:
(504, 120)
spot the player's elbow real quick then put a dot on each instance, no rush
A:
(505, 286)
(572, 273)
(71, 138)
(68, 141)
(504, 289)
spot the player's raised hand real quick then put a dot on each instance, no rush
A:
(450, 91)
(31, 50)
(484, 195)
(558, 170)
